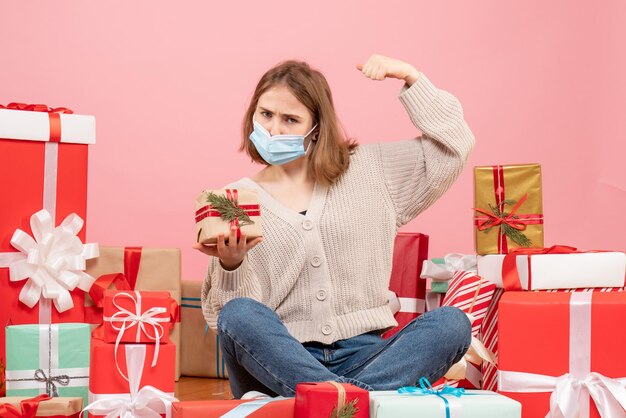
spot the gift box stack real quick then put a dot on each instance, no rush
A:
(46, 270)
(547, 335)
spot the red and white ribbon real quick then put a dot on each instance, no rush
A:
(147, 402)
(52, 261)
(142, 320)
(570, 392)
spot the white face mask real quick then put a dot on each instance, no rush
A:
(278, 149)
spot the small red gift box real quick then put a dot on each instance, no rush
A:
(317, 400)
(138, 317)
(263, 408)
(114, 374)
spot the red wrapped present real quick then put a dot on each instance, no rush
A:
(330, 399)
(255, 408)
(138, 317)
(123, 379)
(409, 252)
(43, 165)
(558, 348)
(135, 268)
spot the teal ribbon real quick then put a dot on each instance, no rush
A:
(426, 389)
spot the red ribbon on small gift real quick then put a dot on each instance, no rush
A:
(233, 196)
(514, 220)
(54, 115)
(28, 409)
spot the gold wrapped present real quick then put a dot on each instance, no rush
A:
(200, 350)
(508, 208)
(219, 210)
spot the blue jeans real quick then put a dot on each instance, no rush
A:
(261, 355)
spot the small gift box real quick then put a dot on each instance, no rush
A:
(259, 408)
(138, 317)
(40, 406)
(558, 348)
(131, 377)
(409, 252)
(201, 355)
(509, 214)
(134, 268)
(219, 210)
(330, 399)
(50, 359)
(446, 403)
(557, 267)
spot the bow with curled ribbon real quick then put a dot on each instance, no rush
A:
(144, 321)
(53, 260)
(147, 402)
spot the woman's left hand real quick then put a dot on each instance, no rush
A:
(379, 67)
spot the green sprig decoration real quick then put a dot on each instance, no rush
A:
(515, 235)
(349, 410)
(228, 210)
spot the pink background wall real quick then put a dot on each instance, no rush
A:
(169, 81)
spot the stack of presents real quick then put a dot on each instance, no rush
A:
(106, 331)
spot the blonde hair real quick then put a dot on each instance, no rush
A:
(330, 157)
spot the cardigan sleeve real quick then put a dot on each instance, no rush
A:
(220, 286)
(418, 171)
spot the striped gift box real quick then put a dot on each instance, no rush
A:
(472, 294)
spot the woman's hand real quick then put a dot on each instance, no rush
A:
(231, 255)
(379, 67)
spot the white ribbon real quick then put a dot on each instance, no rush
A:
(570, 392)
(53, 261)
(130, 319)
(476, 354)
(452, 262)
(147, 402)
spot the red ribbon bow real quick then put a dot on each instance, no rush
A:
(28, 408)
(510, 275)
(53, 114)
(233, 196)
(518, 222)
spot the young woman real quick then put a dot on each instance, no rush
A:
(308, 301)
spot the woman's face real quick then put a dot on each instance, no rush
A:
(281, 113)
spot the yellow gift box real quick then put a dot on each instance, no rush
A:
(219, 210)
(508, 208)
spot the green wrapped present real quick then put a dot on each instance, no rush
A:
(438, 287)
(451, 402)
(52, 359)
